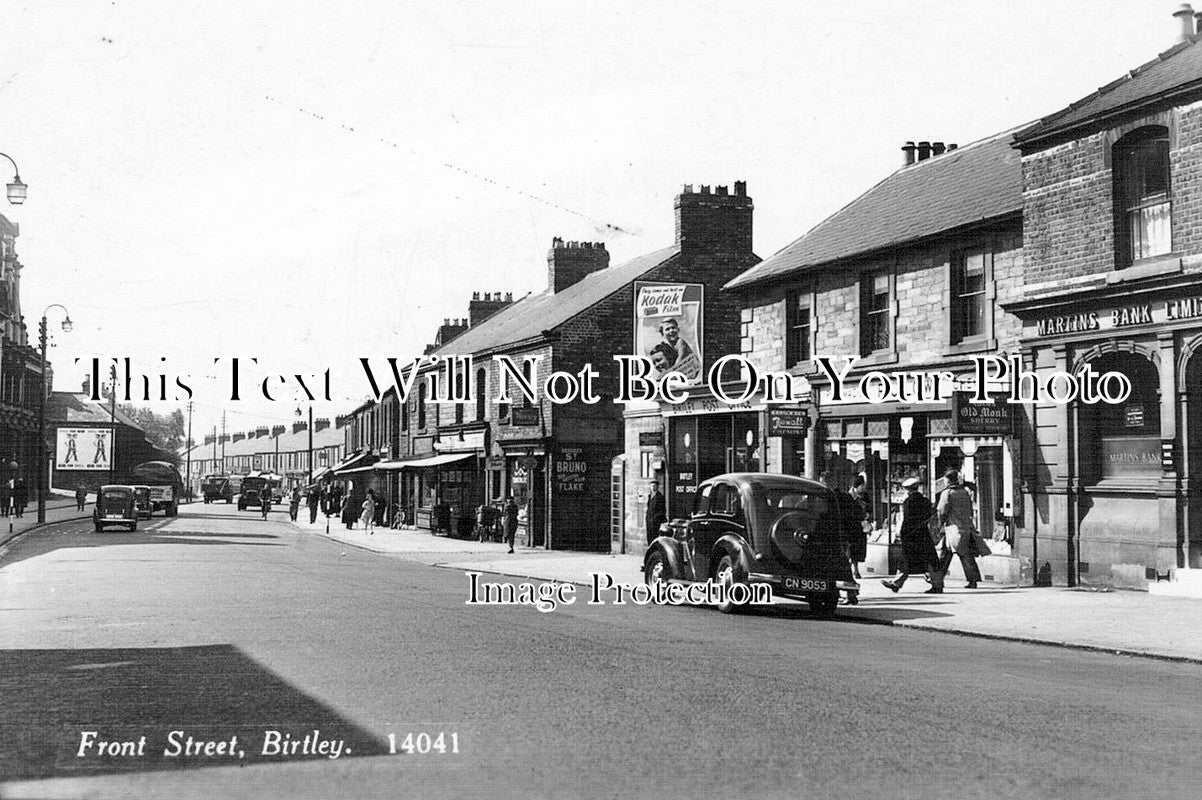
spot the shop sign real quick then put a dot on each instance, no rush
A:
(570, 470)
(706, 405)
(1131, 455)
(495, 462)
(788, 422)
(1135, 416)
(461, 443)
(981, 419)
(528, 463)
(1122, 317)
(651, 439)
(524, 415)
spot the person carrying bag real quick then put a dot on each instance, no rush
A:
(960, 536)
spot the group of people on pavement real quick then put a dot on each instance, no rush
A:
(14, 496)
(932, 534)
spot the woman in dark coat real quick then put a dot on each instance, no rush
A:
(20, 497)
(510, 516)
(917, 547)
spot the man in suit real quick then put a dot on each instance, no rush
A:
(916, 541)
(657, 512)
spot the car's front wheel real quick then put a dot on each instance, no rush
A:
(99, 528)
(133, 526)
(657, 570)
(724, 575)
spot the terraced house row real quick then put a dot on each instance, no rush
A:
(1072, 242)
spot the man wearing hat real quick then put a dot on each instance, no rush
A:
(917, 547)
(955, 514)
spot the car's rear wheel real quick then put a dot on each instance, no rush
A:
(823, 605)
(99, 528)
(133, 526)
(724, 575)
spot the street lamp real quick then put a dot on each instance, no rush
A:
(43, 466)
(16, 189)
(309, 461)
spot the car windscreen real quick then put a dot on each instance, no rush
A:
(115, 495)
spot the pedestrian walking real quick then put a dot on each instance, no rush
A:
(314, 500)
(368, 517)
(347, 511)
(850, 517)
(657, 513)
(20, 497)
(917, 547)
(265, 500)
(6, 497)
(858, 546)
(959, 531)
(294, 503)
(81, 497)
(510, 515)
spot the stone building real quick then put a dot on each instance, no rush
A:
(20, 372)
(1112, 211)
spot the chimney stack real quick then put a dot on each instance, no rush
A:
(480, 309)
(908, 154)
(717, 222)
(239, 437)
(320, 424)
(1186, 15)
(937, 148)
(569, 262)
(924, 151)
(297, 427)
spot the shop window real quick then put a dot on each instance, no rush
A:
(799, 327)
(876, 306)
(972, 274)
(1122, 441)
(1143, 218)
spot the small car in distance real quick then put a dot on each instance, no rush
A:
(142, 501)
(757, 528)
(115, 505)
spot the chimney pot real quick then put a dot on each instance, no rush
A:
(740, 188)
(952, 147)
(924, 151)
(687, 189)
(475, 295)
(1186, 15)
(508, 296)
(908, 154)
(705, 189)
(721, 190)
(937, 148)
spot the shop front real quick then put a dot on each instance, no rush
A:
(526, 476)
(444, 488)
(879, 446)
(1116, 488)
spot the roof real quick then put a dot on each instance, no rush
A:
(533, 314)
(976, 182)
(1176, 69)
(289, 443)
(79, 407)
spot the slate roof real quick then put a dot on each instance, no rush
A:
(78, 407)
(529, 317)
(976, 182)
(1177, 69)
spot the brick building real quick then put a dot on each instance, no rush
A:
(20, 372)
(128, 448)
(1112, 210)
(556, 459)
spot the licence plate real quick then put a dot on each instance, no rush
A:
(114, 516)
(807, 585)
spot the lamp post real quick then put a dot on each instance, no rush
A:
(309, 460)
(16, 189)
(43, 466)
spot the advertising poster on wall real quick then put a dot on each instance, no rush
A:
(668, 327)
(84, 448)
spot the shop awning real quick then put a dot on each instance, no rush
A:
(433, 461)
(350, 463)
(321, 473)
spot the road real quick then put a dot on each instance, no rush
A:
(220, 624)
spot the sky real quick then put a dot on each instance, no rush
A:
(306, 183)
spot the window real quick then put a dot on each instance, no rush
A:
(725, 501)
(971, 274)
(405, 416)
(876, 306)
(481, 391)
(421, 407)
(1122, 441)
(1141, 189)
(798, 327)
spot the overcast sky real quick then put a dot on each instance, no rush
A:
(310, 182)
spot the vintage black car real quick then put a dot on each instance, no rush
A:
(115, 505)
(757, 528)
(142, 501)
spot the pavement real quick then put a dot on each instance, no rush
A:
(1120, 622)
(59, 508)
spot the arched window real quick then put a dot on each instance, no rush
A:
(1142, 202)
(1122, 441)
(481, 390)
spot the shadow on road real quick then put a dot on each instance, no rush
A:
(32, 548)
(51, 698)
